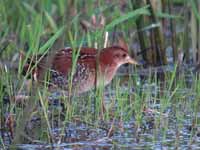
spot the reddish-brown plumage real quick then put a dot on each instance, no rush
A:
(92, 67)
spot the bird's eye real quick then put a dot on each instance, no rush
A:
(124, 55)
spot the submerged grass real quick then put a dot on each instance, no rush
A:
(40, 24)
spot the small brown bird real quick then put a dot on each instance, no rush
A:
(92, 67)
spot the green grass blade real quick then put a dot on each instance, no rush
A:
(135, 13)
(50, 42)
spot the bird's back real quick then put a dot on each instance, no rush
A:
(81, 78)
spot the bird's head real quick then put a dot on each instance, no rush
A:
(116, 56)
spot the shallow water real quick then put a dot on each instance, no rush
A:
(172, 128)
(84, 137)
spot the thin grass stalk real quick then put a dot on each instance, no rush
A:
(99, 103)
(159, 43)
(2, 144)
(70, 12)
(153, 48)
(75, 55)
(194, 36)
(23, 120)
(119, 99)
(164, 5)
(198, 46)
(2, 119)
(173, 31)
(195, 108)
(185, 34)
(31, 104)
(140, 23)
(68, 98)
(45, 111)
(198, 34)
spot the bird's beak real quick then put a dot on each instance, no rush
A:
(132, 61)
